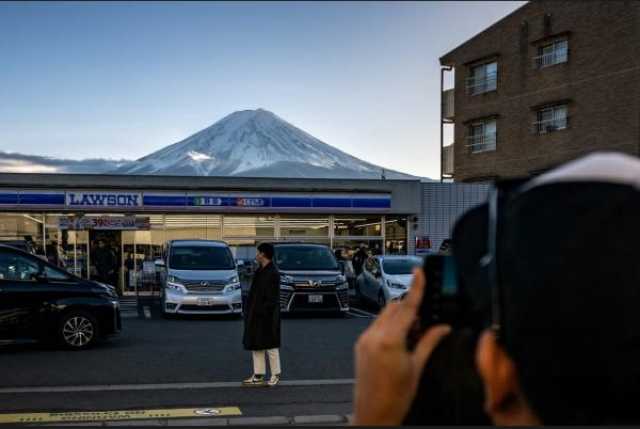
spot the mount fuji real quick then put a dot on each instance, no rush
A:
(254, 143)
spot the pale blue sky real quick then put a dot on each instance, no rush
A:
(122, 79)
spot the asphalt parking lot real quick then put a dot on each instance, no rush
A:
(191, 361)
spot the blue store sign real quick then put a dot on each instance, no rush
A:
(103, 199)
(185, 201)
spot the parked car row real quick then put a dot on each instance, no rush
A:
(202, 277)
(41, 301)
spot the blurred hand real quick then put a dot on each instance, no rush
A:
(387, 373)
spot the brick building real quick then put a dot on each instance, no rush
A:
(549, 82)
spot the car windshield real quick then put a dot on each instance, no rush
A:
(399, 266)
(305, 258)
(201, 258)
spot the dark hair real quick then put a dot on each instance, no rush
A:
(450, 391)
(266, 249)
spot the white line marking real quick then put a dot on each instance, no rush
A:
(147, 312)
(363, 312)
(165, 386)
(355, 315)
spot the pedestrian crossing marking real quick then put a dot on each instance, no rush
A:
(97, 416)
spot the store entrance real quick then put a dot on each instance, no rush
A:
(106, 257)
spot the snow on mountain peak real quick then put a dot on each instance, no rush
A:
(250, 143)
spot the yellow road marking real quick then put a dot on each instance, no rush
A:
(94, 416)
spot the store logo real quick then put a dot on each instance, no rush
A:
(251, 202)
(103, 199)
(207, 201)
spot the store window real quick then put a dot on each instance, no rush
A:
(304, 226)
(358, 226)
(249, 226)
(185, 227)
(349, 247)
(396, 235)
(23, 230)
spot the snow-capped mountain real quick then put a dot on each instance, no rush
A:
(254, 143)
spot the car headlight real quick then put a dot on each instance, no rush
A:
(286, 282)
(231, 287)
(396, 285)
(174, 284)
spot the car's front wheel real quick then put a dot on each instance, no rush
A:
(78, 330)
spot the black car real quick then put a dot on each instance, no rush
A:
(38, 301)
(310, 278)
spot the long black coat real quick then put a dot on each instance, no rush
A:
(262, 313)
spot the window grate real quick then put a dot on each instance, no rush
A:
(482, 143)
(481, 84)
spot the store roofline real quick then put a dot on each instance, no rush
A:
(104, 181)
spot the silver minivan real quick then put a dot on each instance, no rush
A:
(199, 277)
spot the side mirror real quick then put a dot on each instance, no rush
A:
(159, 263)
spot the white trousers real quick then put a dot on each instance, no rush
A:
(259, 363)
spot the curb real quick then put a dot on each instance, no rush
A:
(323, 419)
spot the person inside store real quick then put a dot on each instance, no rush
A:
(262, 320)
(129, 270)
(560, 340)
(359, 259)
(105, 262)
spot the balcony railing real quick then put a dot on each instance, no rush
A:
(448, 97)
(482, 142)
(448, 160)
(479, 85)
(549, 59)
(550, 125)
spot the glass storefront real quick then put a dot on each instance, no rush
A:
(133, 242)
(395, 233)
(358, 226)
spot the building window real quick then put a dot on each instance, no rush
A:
(482, 136)
(550, 119)
(483, 78)
(553, 53)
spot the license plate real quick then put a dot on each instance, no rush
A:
(205, 301)
(315, 299)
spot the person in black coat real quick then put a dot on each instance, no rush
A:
(262, 319)
(359, 259)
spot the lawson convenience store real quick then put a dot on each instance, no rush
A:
(64, 216)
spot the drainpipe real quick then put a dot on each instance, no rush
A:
(442, 70)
